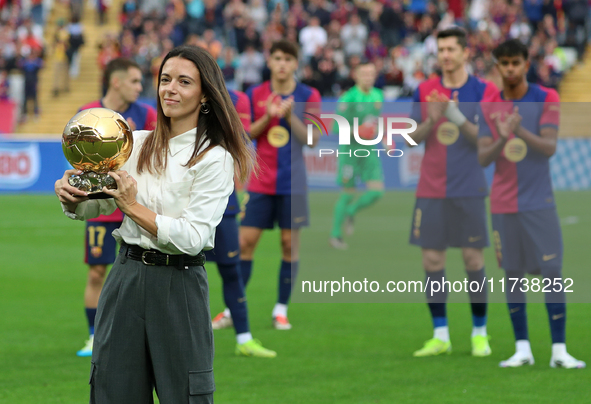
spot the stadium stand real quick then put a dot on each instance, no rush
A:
(334, 36)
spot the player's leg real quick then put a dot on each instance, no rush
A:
(509, 242)
(100, 252)
(472, 238)
(474, 264)
(248, 240)
(221, 251)
(92, 291)
(434, 265)
(543, 226)
(336, 235)
(228, 263)
(292, 216)
(428, 232)
(259, 213)
(371, 174)
(346, 179)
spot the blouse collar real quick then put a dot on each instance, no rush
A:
(182, 141)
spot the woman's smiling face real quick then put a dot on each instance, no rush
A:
(180, 90)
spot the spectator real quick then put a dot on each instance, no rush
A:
(4, 86)
(76, 38)
(248, 36)
(341, 11)
(251, 63)
(8, 47)
(319, 9)
(61, 66)
(327, 73)
(310, 77)
(393, 75)
(375, 48)
(258, 14)
(102, 7)
(312, 37)
(211, 44)
(229, 64)
(30, 66)
(354, 36)
(37, 12)
(347, 80)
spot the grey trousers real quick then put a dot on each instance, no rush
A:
(153, 330)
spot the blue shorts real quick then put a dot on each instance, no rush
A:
(263, 211)
(101, 247)
(451, 222)
(226, 249)
(528, 241)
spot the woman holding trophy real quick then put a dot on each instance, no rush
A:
(153, 327)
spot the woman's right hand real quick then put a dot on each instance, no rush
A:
(67, 194)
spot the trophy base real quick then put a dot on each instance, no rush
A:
(99, 195)
(93, 184)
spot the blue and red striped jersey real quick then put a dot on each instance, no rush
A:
(242, 104)
(450, 167)
(522, 179)
(144, 118)
(282, 170)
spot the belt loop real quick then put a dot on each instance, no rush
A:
(182, 262)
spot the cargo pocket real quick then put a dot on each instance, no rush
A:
(201, 382)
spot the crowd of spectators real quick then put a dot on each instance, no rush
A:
(334, 36)
(23, 49)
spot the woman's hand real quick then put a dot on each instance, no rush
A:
(67, 194)
(126, 190)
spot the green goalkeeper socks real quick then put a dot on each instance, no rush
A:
(368, 198)
(340, 211)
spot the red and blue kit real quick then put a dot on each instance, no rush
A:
(450, 209)
(526, 227)
(281, 175)
(450, 166)
(226, 249)
(522, 175)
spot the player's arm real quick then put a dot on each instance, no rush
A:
(298, 128)
(545, 143)
(435, 110)
(488, 149)
(423, 131)
(453, 114)
(259, 126)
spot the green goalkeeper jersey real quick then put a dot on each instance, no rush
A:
(367, 107)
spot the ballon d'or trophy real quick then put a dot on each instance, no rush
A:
(96, 141)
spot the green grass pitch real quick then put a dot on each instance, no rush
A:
(336, 352)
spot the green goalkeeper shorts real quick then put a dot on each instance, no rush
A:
(352, 168)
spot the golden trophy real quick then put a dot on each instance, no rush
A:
(96, 141)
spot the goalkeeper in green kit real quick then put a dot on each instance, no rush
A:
(356, 161)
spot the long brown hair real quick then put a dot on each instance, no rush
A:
(221, 126)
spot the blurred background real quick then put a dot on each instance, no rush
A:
(63, 45)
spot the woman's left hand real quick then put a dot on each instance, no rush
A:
(126, 190)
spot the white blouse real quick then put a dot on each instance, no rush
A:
(189, 202)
